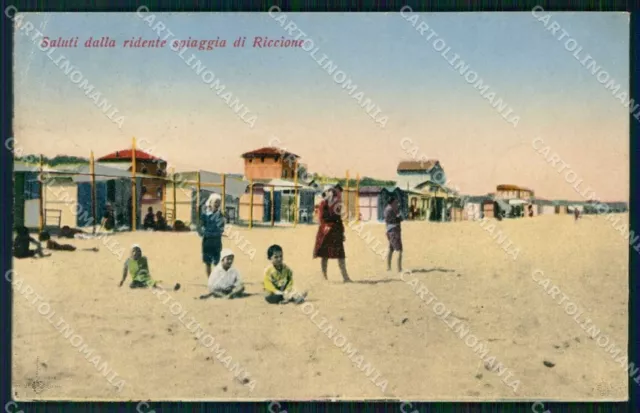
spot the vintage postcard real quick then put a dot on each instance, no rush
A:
(321, 206)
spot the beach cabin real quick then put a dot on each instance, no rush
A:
(67, 196)
(472, 209)
(284, 201)
(26, 195)
(561, 207)
(112, 186)
(369, 202)
(428, 199)
(433, 202)
(543, 207)
(153, 168)
(185, 207)
(281, 204)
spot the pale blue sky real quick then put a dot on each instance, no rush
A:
(166, 102)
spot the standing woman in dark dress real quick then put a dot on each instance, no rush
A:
(330, 237)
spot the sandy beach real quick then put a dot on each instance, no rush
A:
(393, 328)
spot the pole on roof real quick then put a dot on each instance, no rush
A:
(346, 192)
(164, 195)
(198, 198)
(358, 197)
(295, 193)
(224, 194)
(251, 203)
(173, 181)
(134, 194)
(41, 222)
(92, 169)
(273, 207)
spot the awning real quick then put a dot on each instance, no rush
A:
(517, 202)
(235, 187)
(106, 173)
(23, 167)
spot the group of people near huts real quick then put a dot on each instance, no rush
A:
(23, 241)
(225, 281)
(152, 221)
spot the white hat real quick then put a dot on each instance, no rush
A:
(225, 253)
(213, 198)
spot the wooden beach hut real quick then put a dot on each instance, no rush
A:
(544, 206)
(26, 194)
(186, 194)
(472, 209)
(112, 186)
(278, 197)
(369, 202)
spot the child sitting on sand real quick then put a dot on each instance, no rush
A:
(54, 246)
(225, 281)
(21, 245)
(278, 280)
(138, 267)
(149, 220)
(161, 223)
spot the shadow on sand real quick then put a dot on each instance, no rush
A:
(383, 281)
(426, 270)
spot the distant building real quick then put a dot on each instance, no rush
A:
(412, 174)
(146, 164)
(269, 163)
(514, 192)
(513, 201)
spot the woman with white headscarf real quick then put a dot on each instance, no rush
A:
(211, 229)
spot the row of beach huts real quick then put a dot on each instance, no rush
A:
(268, 193)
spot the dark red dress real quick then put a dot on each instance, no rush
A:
(330, 236)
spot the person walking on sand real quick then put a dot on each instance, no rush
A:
(211, 229)
(330, 237)
(392, 219)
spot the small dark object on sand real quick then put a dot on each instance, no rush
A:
(479, 376)
(405, 320)
(176, 287)
(224, 388)
(245, 381)
(548, 363)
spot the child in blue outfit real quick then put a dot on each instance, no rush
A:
(211, 229)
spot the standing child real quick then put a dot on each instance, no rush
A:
(138, 266)
(392, 219)
(211, 229)
(22, 242)
(278, 280)
(225, 281)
